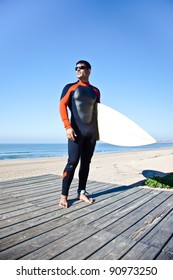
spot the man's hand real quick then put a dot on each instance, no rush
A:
(71, 134)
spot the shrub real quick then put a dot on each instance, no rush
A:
(165, 182)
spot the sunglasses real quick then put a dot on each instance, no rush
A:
(80, 67)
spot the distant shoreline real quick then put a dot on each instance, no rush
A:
(38, 151)
(117, 168)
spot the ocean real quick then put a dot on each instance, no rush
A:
(29, 151)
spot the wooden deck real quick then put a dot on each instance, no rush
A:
(125, 222)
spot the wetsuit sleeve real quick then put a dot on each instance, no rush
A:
(64, 101)
(98, 94)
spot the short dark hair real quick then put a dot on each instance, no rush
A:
(84, 62)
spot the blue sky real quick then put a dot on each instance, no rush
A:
(129, 44)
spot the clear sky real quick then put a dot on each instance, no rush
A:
(129, 44)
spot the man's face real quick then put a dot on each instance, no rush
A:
(82, 74)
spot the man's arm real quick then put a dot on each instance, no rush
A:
(64, 101)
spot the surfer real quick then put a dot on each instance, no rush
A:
(81, 130)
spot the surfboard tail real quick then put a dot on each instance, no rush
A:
(117, 129)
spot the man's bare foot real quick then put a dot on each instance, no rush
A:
(63, 202)
(85, 198)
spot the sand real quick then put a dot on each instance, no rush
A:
(117, 168)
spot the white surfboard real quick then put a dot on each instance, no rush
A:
(117, 129)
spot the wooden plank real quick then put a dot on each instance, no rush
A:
(29, 233)
(29, 199)
(110, 211)
(121, 224)
(28, 216)
(34, 190)
(12, 207)
(143, 225)
(16, 213)
(86, 247)
(161, 233)
(165, 256)
(120, 211)
(169, 246)
(167, 251)
(29, 223)
(64, 242)
(46, 239)
(50, 200)
(41, 178)
(106, 203)
(125, 223)
(31, 188)
(112, 250)
(29, 195)
(124, 248)
(24, 185)
(27, 208)
(141, 251)
(24, 220)
(20, 222)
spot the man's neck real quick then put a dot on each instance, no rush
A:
(84, 81)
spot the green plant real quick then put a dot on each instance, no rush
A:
(165, 182)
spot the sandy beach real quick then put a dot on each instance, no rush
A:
(117, 168)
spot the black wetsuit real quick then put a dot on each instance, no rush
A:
(81, 98)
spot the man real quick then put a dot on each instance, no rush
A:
(82, 130)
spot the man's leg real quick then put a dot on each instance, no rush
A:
(74, 150)
(86, 155)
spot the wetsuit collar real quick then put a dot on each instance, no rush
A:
(83, 83)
